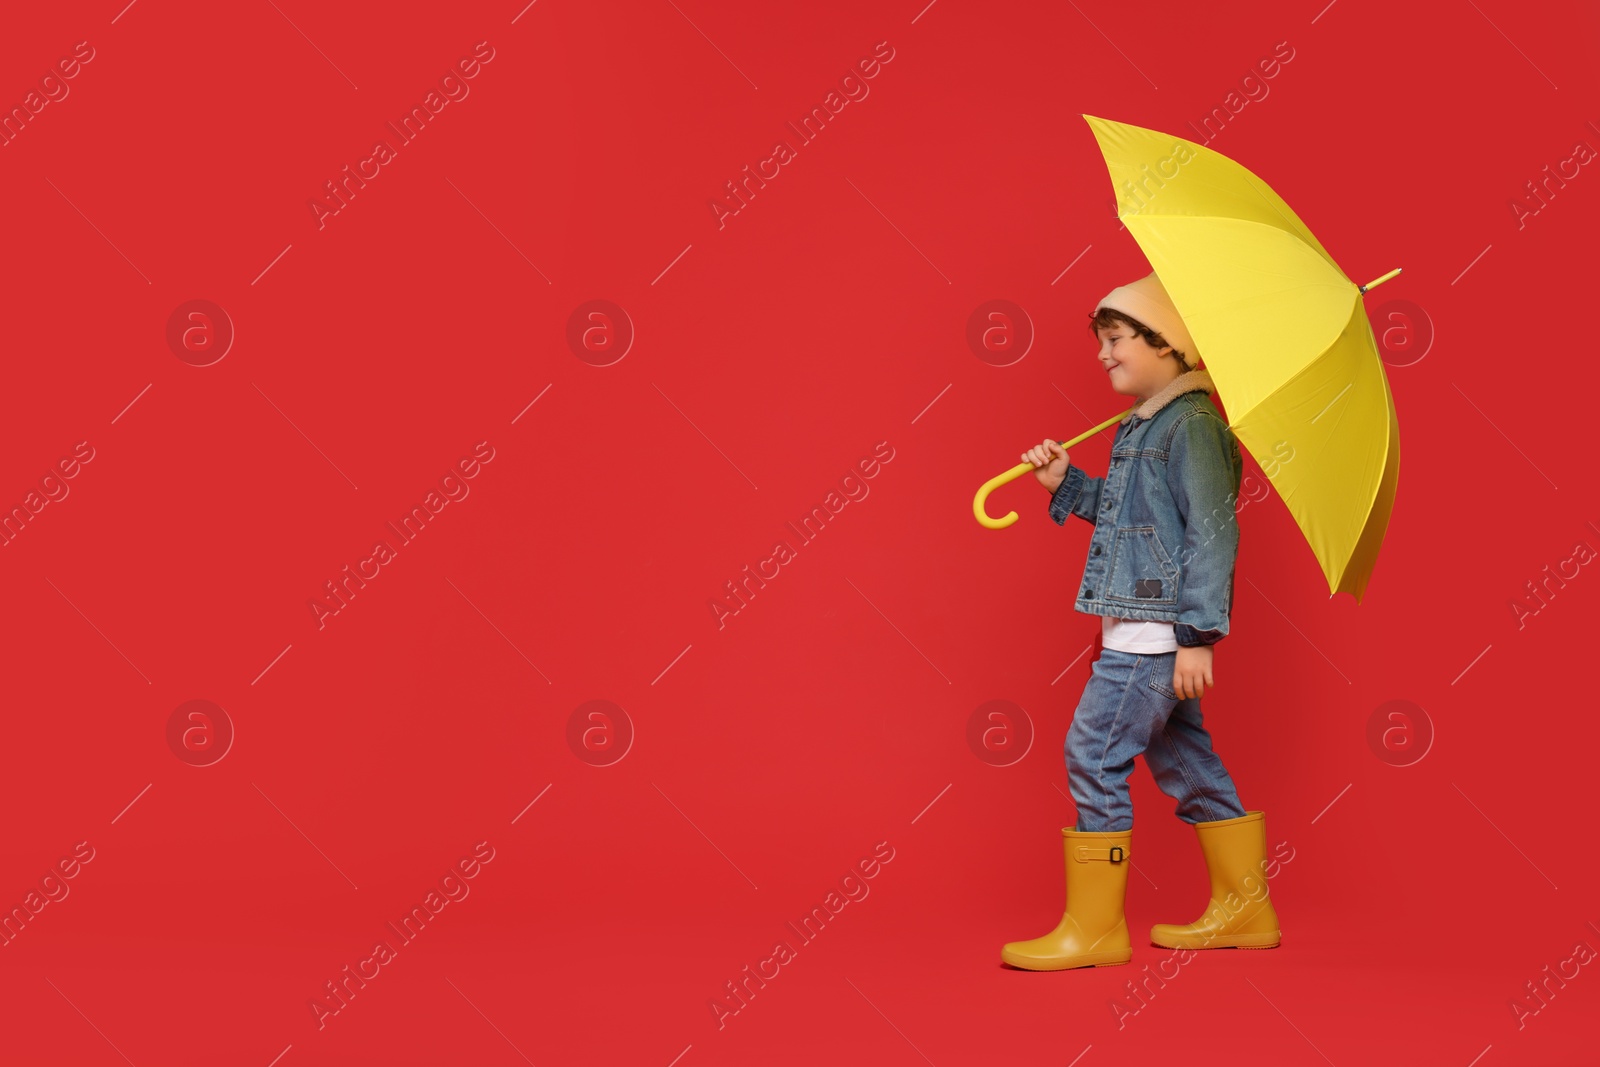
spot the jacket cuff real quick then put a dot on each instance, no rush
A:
(1065, 498)
(1187, 636)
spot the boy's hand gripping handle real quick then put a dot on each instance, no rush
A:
(980, 513)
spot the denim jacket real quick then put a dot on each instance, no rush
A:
(1165, 535)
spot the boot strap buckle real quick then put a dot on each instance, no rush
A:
(1116, 854)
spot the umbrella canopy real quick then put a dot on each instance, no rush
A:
(1282, 331)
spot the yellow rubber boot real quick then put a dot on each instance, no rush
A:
(1092, 932)
(1240, 914)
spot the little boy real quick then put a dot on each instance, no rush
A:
(1160, 574)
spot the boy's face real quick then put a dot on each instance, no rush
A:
(1135, 368)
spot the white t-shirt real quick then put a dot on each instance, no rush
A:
(1138, 635)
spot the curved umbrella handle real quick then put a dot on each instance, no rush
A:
(980, 512)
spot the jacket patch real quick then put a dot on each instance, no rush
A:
(1150, 587)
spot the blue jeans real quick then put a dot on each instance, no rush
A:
(1129, 707)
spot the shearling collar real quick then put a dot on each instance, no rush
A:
(1187, 382)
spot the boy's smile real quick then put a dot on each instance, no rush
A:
(1135, 368)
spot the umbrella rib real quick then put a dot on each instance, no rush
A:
(1314, 244)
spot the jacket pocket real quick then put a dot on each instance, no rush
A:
(1141, 573)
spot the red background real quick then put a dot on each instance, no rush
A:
(768, 755)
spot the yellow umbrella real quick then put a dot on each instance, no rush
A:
(1283, 333)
